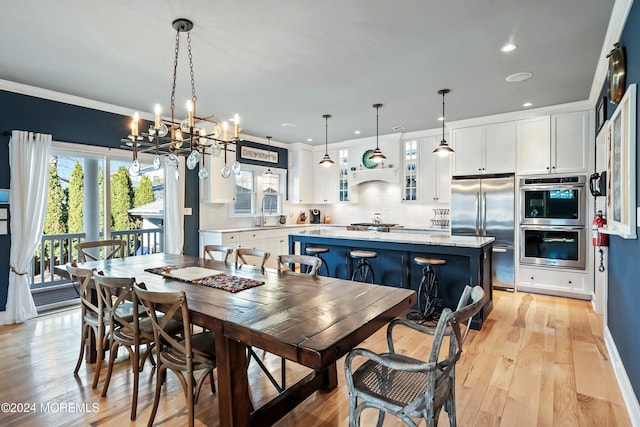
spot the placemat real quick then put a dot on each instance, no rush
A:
(217, 280)
(229, 283)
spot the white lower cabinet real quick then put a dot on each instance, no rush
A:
(274, 240)
(555, 282)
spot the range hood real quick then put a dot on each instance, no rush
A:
(361, 176)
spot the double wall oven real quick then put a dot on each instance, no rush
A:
(552, 222)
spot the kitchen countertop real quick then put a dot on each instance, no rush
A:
(401, 229)
(425, 239)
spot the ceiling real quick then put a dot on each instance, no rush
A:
(291, 61)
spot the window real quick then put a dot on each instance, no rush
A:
(271, 193)
(245, 193)
(252, 182)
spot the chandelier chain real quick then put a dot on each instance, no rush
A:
(194, 98)
(175, 74)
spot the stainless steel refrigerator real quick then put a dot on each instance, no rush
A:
(485, 206)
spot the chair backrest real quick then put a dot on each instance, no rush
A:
(115, 292)
(225, 252)
(311, 264)
(174, 306)
(83, 276)
(470, 303)
(243, 253)
(112, 249)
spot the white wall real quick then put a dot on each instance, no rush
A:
(383, 197)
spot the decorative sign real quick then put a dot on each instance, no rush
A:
(252, 153)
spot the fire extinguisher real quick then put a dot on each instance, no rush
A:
(598, 238)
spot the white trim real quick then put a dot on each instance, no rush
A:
(522, 114)
(69, 99)
(630, 400)
(619, 15)
(94, 151)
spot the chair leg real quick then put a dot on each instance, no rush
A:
(99, 349)
(83, 343)
(213, 384)
(160, 373)
(112, 356)
(190, 398)
(136, 366)
(380, 419)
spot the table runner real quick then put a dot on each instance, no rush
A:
(219, 281)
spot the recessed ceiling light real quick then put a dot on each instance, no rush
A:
(288, 125)
(441, 118)
(357, 132)
(519, 77)
(508, 47)
(309, 139)
(527, 104)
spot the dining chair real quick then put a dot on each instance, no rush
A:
(184, 357)
(92, 317)
(108, 249)
(307, 264)
(407, 387)
(258, 255)
(129, 329)
(225, 252)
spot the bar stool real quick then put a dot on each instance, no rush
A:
(363, 269)
(428, 290)
(316, 251)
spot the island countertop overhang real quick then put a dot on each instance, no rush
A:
(422, 239)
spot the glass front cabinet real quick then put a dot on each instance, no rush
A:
(426, 176)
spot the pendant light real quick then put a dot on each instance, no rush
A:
(268, 172)
(443, 149)
(377, 155)
(326, 160)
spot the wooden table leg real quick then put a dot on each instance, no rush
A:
(330, 378)
(233, 384)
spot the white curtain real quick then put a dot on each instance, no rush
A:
(174, 212)
(29, 164)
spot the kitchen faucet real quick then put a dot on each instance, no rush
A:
(263, 220)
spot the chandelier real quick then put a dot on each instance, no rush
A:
(192, 138)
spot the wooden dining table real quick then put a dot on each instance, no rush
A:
(309, 320)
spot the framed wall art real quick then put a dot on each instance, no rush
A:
(621, 167)
(601, 113)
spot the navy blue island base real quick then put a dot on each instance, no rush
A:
(468, 260)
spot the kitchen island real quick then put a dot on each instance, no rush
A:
(468, 259)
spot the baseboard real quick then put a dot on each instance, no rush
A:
(630, 400)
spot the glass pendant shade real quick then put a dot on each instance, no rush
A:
(377, 155)
(443, 148)
(172, 160)
(236, 166)
(326, 160)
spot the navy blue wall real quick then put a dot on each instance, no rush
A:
(70, 123)
(624, 269)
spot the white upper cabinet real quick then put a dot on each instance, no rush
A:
(300, 175)
(484, 149)
(534, 142)
(217, 189)
(553, 144)
(570, 141)
(325, 179)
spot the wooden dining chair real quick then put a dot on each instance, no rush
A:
(129, 329)
(107, 249)
(92, 317)
(307, 264)
(224, 251)
(407, 387)
(184, 357)
(259, 257)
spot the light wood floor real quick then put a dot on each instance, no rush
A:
(538, 361)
